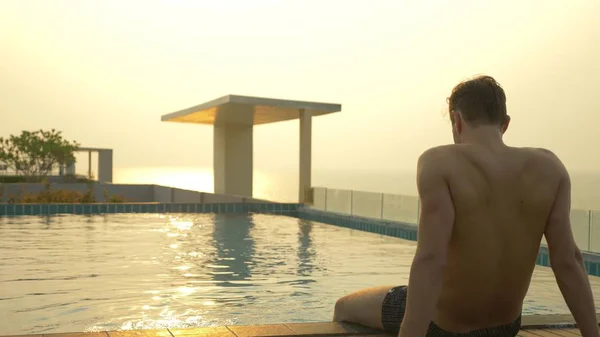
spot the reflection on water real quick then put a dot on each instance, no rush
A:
(305, 251)
(235, 248)
(142, 271)
(139, 271)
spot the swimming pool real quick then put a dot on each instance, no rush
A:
(137, 271)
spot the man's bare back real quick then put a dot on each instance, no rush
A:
(502, 199)
(484, 207)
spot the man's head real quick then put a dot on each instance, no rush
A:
(478, 102)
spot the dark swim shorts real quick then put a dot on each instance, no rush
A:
(394, 307)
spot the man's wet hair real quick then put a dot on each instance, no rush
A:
(480, 101)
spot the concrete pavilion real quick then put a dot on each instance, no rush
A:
(233, 118)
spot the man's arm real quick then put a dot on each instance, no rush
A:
(567, 262)
(435, 229)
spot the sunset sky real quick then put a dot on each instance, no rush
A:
(104, 72)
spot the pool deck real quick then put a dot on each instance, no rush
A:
(532, 326)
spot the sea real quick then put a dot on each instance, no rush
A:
(282, 185)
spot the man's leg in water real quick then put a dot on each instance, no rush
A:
(362, 307)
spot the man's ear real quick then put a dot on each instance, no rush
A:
(506, 123)
(458, 122)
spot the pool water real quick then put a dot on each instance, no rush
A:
(140, 271)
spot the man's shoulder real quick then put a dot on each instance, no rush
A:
(441, 154)
(436, 160)
(542, 155)
(437, 152)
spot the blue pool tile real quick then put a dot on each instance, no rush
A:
(3, 209)
(588, 266)
(78, 209)
(27, 209)
(44, 209)
(59, 209)
(102, 208)
(545, 260)
(594, 269)
(95, 209)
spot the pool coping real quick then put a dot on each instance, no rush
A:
(531, 323)
(408, 231)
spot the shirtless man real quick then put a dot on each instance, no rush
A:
(484, 209)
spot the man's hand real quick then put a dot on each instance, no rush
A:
(436, 221)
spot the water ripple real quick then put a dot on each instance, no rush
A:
(144, 271)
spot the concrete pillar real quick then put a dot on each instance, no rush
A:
(305, 154)
(105, 166)
(233, 159)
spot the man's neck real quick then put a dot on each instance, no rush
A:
(487, 136)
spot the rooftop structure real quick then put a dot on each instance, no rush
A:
(233, 118)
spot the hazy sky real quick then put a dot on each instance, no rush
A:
(105, 71)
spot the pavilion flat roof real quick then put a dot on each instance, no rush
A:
(248, 110)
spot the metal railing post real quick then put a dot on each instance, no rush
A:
(351, 202)
(590, 222)
(382, 197)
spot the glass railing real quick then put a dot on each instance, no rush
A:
(405, 208)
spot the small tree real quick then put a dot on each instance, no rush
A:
(36, 153)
